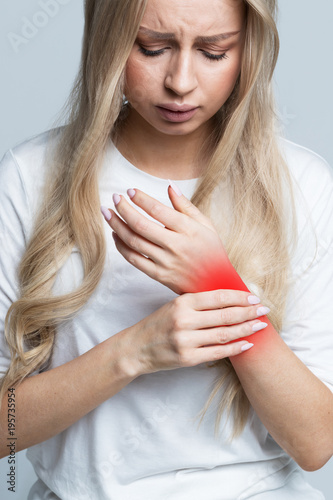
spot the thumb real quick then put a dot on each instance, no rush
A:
(184, 205)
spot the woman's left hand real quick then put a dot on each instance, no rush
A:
(177, 255)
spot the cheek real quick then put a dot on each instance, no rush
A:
(138, 82)
(222, 85)
(135, 85)
(220, 89)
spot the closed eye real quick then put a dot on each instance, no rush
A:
(208, 55)
(215, 57)
(151, 53)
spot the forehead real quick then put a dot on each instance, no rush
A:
(197, 17)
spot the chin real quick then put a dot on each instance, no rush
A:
(177, 133)
(178, 129)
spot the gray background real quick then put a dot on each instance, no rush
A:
(37, 76)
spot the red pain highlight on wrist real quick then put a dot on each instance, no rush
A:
(220, 274)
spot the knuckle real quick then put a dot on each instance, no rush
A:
(157, 274)
(218, 353)
(184, 359)
(226, 316)
(221, 297)
(233, 350)
(132, 260)
(180, 314)
(179, 323)
(175, 244)
(187, 204)
(190, 208)
(177, 304)
(180, 349)
(245, 329)
(133, 241)
(176, 342)
(176, 316)
(222, 336)
(160, 275)
(142, 225)
(156, 210)
(182, 301)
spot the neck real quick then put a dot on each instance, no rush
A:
(166, 156)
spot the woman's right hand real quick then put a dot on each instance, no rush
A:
(193, 328)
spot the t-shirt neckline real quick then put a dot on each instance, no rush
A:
(138, 171)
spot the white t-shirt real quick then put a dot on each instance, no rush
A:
(144, 442)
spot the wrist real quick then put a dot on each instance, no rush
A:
(220, 274)
(127, 363)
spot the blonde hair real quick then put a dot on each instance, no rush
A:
(245, 159)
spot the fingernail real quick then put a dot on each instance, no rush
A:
(175, 188)
(246, 347)
(259, 326)
(131, 193)
(116, 199)
(261, 311)
(106, 212)
(253, 299)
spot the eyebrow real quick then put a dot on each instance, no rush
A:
(201, 39)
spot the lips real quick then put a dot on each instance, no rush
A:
(184, 108)
(175, 113)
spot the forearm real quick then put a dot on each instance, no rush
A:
(48, 403)
(293, 404)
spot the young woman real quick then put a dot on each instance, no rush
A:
(208, 295)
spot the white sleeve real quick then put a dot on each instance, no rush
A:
(308, 326)
(14, 213)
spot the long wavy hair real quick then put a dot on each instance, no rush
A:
(245, 163)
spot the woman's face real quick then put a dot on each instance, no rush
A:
(185, 63)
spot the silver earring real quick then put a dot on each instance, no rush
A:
(125, 101)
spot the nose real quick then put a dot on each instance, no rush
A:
(180, 76)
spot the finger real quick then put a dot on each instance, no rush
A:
(225, 334)
(144, 264)
(222, 317)
(141, 225)
(218, 299)
(207, 354)
(158, 211)
(185, 206)
(133, 240)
